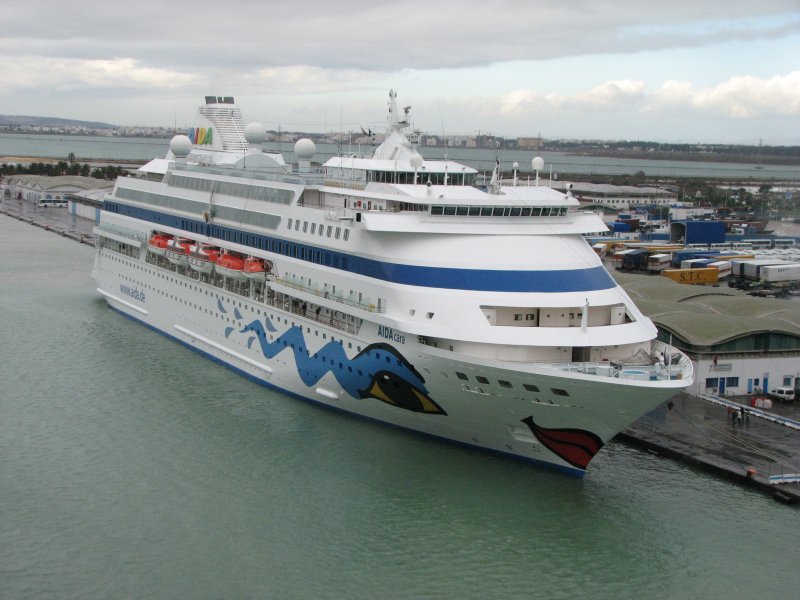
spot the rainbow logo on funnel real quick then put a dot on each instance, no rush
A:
(200, 136)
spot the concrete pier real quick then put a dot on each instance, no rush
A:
(758, 453)
(57, 220)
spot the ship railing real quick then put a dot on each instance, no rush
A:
(646, 372)
(305, 177)
(296, 308)
(328, 296)
(259, 174)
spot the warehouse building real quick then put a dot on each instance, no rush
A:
(738, 344)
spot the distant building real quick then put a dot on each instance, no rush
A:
(529, 143)
(48, 191)
(618, 197)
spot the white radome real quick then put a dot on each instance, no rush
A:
(180, 145)
(255, 133)
(304, 149)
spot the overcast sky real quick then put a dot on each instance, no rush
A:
(665, 70)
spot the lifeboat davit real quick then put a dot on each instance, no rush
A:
(177, 251)
(157, 244)
(231, 265)
(254, 268)
(202, 257)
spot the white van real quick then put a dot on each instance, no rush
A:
(784, 394)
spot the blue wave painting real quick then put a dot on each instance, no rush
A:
(378, 371)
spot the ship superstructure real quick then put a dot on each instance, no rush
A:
(389, 286)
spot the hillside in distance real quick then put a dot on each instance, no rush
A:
(28, 121)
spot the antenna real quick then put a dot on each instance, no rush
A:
(444, 137)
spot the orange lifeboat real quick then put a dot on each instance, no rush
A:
(254, 267)
(231, 265)
(157, 243)
(177, 251)
(202, 257)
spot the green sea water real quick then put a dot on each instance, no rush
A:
(131, 467)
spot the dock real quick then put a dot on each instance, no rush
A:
(763, 452)
(57, 220)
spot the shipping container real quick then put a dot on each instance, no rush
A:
(600, 249)
(616, 258)
(692, 276)
(694, 263)
(636, 260)
(752, 268)
(619, 227)
(723, 266)
(658, 262)
(701, 263)
(780, 273)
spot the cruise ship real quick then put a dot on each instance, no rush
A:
(387, 286)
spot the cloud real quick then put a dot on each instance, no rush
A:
(304, 79)
(246, 36)
(67, 74)
(612, 95)
(744, 97)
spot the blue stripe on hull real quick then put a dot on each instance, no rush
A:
(478, 280)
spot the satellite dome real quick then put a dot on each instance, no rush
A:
(537, 163)
(255, 133)
(304, 149)
(180, 146)
(416, 161)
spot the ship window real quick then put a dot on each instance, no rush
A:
(526, 212)
(305, 226)
(429, 315)
(462, 376)
(536, 212)
(313, 228)
(330, 229)
(474, 211)
(515, 212)
(530, 387)
(437, 210)
(530, 317)
(481, 379)
(559, 392)
(504, 383)
(289, 226)
(297, 225)
(449, 210)
(346, 234)
(486, 211)
(497, 211)
(462, 210)
(321, 230)
(518, 317)
(338, 232)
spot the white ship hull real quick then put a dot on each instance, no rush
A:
(229, 328)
